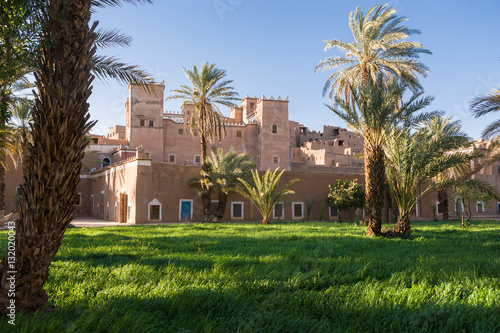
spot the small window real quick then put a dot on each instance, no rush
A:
(141, 122)
(128, 213)
(105, 162)
(213, 206)
(333, 212)
(276, 160)
(151, 123)
(341, 142)
(92, 203)
(237, 210)
(252, 105)
(275, 129)
(480, 207)
(78, 198)
(181, 131)
(197, 159)
(107, 211)
(278, 210)
(498, 169)
(439, 208)
(459, 207)
(154, 212)
(171, 158)
(116, 211)
(238, 134)
(298, 211)
(96, 140)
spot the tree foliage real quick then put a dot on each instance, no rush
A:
(380, 46)
(346, 195)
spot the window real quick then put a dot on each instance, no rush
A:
(171, 158)
(480, 207)
(213, 206)
(154, 208)
(298, 210)
(78, 198)
(439, 209)
(333, 212)
(459, 206)
(238, 134)
(116, 211)
(96, 140)
(341, 142)
(151, 123)
(275, 129)
(276, 160)
(279, 210)
(128, 212)
(237, 210)
(252, 105)
(141, 122)
(258, 159)
(92, 203)
(197, 159)
(181, 131)
(107, 210)
(105, 162)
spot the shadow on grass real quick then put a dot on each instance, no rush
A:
(207, 310)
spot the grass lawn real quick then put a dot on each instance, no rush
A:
(286, 277)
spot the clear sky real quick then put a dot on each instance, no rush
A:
(270, 47)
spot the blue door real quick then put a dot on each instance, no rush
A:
(185, 210)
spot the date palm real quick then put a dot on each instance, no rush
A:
(225, 169)
(264, 192)
(372, 112)
(60, 122)
(380, 46)
(414, 159)
(208, 90)
(486, 104)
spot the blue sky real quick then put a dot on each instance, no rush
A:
(271, 48)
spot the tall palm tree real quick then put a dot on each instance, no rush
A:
(60, 122)
(372, 112)
(414, 159)
(208, 89)
(225, 170)
(486, 104)
(264, 192)
(380, 46)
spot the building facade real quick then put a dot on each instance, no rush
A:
(139, 172)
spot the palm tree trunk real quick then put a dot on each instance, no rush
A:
(403, 225)
(442, 195)
(375, 187)
(61, 120)
(205, 169)
(3, 205)
(221, 207)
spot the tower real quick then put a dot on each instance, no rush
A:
(144, 119)
(273, 133)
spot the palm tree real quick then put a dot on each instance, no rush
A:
(20, 125)
(60, 123)
(375, 109)
(486, 104)
(380, 46)
(208, 89)
(225, 170)
(21, 34)
(264, 192)
(414, 159)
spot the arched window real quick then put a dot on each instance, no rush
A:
(275, 129)
(105, 162)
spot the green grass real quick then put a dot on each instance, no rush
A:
(287, 277)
